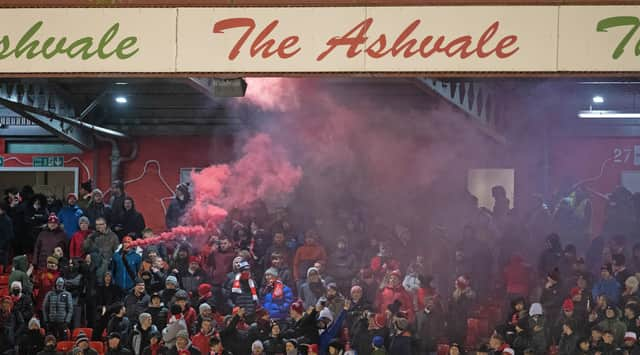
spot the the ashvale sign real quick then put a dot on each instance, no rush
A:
(321, 39)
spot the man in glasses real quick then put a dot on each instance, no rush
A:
(101, 245)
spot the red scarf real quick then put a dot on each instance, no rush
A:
(252, 285)
(278, 290)
(155, 348)
(184, 352)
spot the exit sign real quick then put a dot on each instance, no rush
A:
(48, 162)
(1, 161)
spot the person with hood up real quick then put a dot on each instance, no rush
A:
(57, 310)
(107, 293)
(307, 255)
(142, 333)
(50, 343)
(183, 345)
(74, 284)
(613, 324)
(69, 215)
(101, 245)
(115, 345)
(175, 325)
(537, 329)
(178, 207)
(244, 293)
(32, 340)
(48, 240)
(77, 240)
(607, 285)
(131, 222)
(21, 273)
(517, 277)
(313, 288)
(35, 216)
(125, 265)
(460, 306)
(276, 296)
(82, 346)
(342, 264)
(98, 209)
(392, 292)
(552, 257)
(329, 327)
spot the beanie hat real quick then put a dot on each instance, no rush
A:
(195, 259)
(567, 305)
(71, 194)
(326, 313)
(53, 218)
(83, 219)
(59, 281)
(630, 336)
(378, 341)
(607, 267)
(114, 335)
(204, 290)
(631, 282)
(34, 321)
(508, 351)
(379, 320)
(356, 288)
(297, 307)
(272, 271)
(52, 260)
(182, 295)
(81, 338)
(535, 310)
(16, 284)
(312, 348)
(257, 345)
(49, 338)
(244, 266)
(171, 280)
(203, 307)
(332, 285)
(183, 334)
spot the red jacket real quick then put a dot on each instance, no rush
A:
(516, 276)
(45, 282)
(390, 294)
(201, 341)
(75, 248)
(306, 255)
(380, 267)
(220, 264)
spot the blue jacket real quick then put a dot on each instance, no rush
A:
(69, 216)
(120, 275)
(609, 288)
(331, 333)
(278, 308)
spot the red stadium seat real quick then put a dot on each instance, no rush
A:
(554, 350)
(87, 331)
(443, 349)
(97, 346)
(64, 346)
(476, 329)
(4, 291)
(4, 280)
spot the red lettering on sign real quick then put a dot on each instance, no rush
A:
(263, 44)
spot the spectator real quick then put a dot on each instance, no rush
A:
(31, 341)
(70, 215)
(74, 284)
(48, 240)
(98, 209)
(107, 293)
(22, 273)
(54, 205)
(101, 245)
(401, 339)
(11, 324)
(82, 346)
(378, 346)
(394, 292)
(307, 255)
(119, 323)
(278, 262)
(137, 302)
(155, 346)
(57, 310)
(335, 300)
(630, 289)
(630, 343)
(460, 306)
(257, 348)
(125, 265)
(22, 304)
(77, 241)
(176, 324)
(183, 345)
(220, 261)
(178, 207)
(50, 343)
(551, 298)
(244, 292)
(216, 348)
(194, 276)
(276, 296)
(188, 313)
(171, 288)
(516, 276)
(114, 345)
(35, 217)
(6, 234)
(614, 325)
(384, 262)
(607, 286)
(203, 337)
(130, 222)
(117, 201)
(142, 333)
(46, 280)
(159, 313)
(429, 325)
(274, 344)
(342, 264)
(313, 288)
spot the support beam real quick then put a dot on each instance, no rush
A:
(78, 137)
(478, 100)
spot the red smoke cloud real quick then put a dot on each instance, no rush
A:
(263, 173)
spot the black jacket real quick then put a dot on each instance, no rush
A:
(176, 210)
(30, 342)
(234, 340)
(119, 351)
(6, 231)
(428, 327)
(192, 350)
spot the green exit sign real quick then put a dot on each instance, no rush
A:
(48, 162)
(1, 161)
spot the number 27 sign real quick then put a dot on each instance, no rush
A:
(623, 155)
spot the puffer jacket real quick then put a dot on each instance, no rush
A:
(101, 246)
(170, 333)
(19, 273)
(141, 338)
(190, 282)
(615, 326)
(136, 304)
(278, 307)
(57, 307)
(46, 242)
(244, 299)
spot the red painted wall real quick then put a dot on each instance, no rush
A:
(582, 158)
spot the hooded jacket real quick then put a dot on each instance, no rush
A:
(131, 221)
(69, 217)
(176, 210)
(538, 331)
(58, 305)
(124, 274)
(615, 326)
(46, 242)
(6, 231)
(97, 210)
(19, 273)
